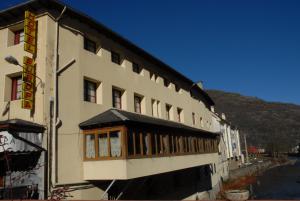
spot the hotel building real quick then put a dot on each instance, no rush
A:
(108, 120)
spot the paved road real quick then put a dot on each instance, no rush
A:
(281, 182)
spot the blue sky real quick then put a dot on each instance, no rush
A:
(251, 46)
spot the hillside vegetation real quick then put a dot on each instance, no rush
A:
(266, 124)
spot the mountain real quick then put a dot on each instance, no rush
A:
(272, 125)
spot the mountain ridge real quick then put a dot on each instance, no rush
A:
(270, 125)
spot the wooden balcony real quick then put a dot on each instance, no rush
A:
(123, 149)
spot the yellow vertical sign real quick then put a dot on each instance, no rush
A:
(29, 66)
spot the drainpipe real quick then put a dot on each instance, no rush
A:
(55, 120)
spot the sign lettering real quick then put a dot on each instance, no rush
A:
(27, 104)
(28, 75)
(28, 95)
(29, 48)
(28, 61)
(29, 69)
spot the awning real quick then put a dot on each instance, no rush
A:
(114, 116)
(19, 125)
(18, 161)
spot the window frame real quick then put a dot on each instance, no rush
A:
(14, 88)
(139, 98)
(114, 90)
(86, 89)
(102, 131)
(17, 36)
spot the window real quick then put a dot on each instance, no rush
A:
(166, 147)
(136, 68)
(137, 104)
(155, 104)
(130, 141)
(137, 143)
(90, 91)
(154, 144)
(179, 114)
(89, 45)
(153, 76)
(19, 37)
(193, 117)
(166, 82)
(168, 112)
(201, 121)
(177, 88)
(117, 98)
(146, 144)
(115, 58)
(107, 143)
(16, 88)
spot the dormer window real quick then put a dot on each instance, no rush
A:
(166, 82)
(89, 45)
(177, 88)
(115, 58)
(136, 68)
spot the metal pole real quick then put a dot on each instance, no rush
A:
(246, 149)
(105, 192)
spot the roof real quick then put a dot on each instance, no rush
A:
(117, 117)
(17, 12)
(21, 126)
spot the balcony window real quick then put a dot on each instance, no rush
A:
(115, 143)
(107, 143)
(16, 88)
(90, 91)
(102, 145)
(18, 37)
(137, 143)
(90, 148)
(166, 144)
(115, 58)
(90, 45)
(154, 144)
(146, 143)
(117, 98)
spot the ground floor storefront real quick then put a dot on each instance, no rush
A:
(22, 160)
